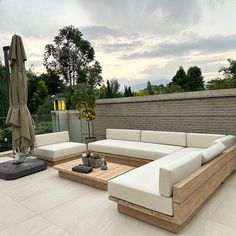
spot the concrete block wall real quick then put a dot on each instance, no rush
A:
(204, 112)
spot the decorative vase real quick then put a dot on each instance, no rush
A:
(85, 159)
(95, 162)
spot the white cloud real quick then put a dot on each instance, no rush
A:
(159, 35)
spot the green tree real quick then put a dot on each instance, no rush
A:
(111, 90)
(218, 83)
(53, 83)
(194, 79)
(46, 107)
(140, 93)
(149, 88)
(3, 91)
(41, 93)
(128, 92)
(73, 58)
(180, 79)
(173, 88)
(230, 72)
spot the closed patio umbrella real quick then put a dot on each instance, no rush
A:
(18, 116)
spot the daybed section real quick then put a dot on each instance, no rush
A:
(56, 148)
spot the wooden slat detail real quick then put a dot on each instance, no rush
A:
(96, 184)
(131, 161)
(187, 186)
(198, 198)
(170, 226)
(144, 210)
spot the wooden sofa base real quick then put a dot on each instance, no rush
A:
(59, 160)
(125, 160)
(189, 195)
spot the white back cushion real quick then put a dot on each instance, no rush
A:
(51, 138)
(201, 140)
(171, 173)
(228, 140)
(123, 134)
(164, 137)
(213, 151)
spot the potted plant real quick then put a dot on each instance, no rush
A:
(84, 99)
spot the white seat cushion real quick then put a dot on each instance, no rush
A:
(201, 140)
(123, 134)
(228, 140)
(141, 186)
(174, 171)
(132, 149)
(51, 138)
(164, 137)
(212, 152)
(54, 151)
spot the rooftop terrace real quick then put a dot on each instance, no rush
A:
(45, 204)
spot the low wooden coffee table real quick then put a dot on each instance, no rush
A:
(97, 178)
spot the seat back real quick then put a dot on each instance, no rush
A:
(123, 134)
(164, 137)
(51, 138)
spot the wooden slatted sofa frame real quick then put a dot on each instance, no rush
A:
(189, 194)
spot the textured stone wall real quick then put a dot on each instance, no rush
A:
(205, 111)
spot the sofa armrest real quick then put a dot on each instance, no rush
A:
(186, 187)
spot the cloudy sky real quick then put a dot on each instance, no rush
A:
(134, 40)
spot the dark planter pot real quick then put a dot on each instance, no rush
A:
(95, 162)
(86, 161)
(90, 140)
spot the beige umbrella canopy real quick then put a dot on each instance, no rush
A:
(18, 116)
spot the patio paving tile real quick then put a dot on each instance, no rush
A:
(34, 226)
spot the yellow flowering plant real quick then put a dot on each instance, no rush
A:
(84, 99)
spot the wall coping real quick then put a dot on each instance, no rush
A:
(172, 96)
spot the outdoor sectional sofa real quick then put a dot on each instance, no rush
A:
(178, 172)
(56, 148)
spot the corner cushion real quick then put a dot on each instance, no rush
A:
(172, 172)
(228, 141)
(200, 140)
(213, 151)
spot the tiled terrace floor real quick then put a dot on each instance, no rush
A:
(44, 204)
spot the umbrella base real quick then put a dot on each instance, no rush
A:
(11, 171)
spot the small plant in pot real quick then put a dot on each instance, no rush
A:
(84, 98)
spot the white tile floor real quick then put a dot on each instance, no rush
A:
(44, 204)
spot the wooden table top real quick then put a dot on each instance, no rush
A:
(114, 170)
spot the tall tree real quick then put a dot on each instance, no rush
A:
(128, 92)
(180, 79)
(111, 90)
(41, 93)
(72, 57)
(53, 83)
(149, 88)
(3, 91)
(195, 79)
(230, 72)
